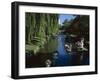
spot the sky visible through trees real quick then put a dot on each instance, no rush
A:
(51, 38)
(63, 17)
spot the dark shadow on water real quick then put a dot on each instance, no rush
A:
(68, 60)
(58, 58)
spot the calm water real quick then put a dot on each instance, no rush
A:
(63, 58)
(60, 58)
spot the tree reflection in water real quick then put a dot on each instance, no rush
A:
(61, 57)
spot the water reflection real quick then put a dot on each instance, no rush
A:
(61, 57)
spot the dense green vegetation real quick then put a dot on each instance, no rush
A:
(40, 29)
(78, 26)
(66, 24)
(77, 29)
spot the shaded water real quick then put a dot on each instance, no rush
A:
(59, 58)
(63, 58)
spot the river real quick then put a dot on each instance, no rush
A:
(63, 57)
(60, 58)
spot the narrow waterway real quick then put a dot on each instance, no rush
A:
(59, 58)
(63, 58)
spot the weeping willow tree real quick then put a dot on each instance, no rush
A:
(40, 31)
